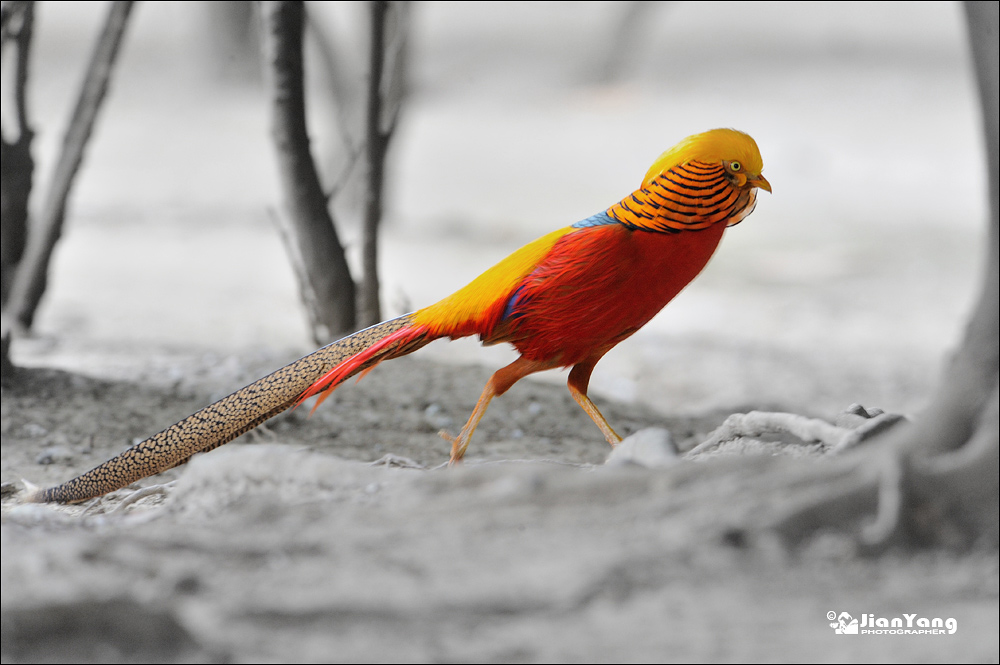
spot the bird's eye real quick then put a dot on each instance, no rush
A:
(735, 166)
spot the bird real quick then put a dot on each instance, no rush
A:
(562, 301)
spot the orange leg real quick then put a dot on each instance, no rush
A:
(579, 380)
(498, 384)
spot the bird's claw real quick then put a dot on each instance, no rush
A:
(458, 445)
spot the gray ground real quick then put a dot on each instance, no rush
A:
(848, 285)
(287, 546)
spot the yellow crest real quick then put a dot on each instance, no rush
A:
(715, 145)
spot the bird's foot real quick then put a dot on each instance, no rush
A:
(458, 445)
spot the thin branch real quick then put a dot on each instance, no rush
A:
(395, 63)
(153, 490)
(369, 308)
(24, 35)
(306, 294)
(319, 248)
(382, 112)
(6, 367)
(32, 274)
(18, 168)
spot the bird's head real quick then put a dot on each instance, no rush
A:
(736, 151)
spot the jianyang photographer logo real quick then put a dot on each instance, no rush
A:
(907, 624)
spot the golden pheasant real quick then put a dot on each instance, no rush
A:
(563, 300)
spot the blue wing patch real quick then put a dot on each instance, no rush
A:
(600, 219)
(512, 302)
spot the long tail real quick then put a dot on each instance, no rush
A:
(223, 421)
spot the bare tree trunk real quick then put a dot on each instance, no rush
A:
(32, 274)
(973, 372)
(324, 278)
(937, 481)
(386, 60)
(369, 310)
(18, 167)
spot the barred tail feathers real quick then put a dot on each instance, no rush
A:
(228, 418)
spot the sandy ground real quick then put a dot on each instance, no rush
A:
(849, 285)
(286, 546)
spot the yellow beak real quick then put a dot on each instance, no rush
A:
(761, 182)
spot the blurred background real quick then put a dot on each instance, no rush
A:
(849, 284)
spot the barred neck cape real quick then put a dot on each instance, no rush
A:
(687, 197)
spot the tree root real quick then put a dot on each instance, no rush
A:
(852, 428)
(895, 491)
(947, 500)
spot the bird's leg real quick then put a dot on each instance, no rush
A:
(579, 380)
(498, 384)
(461, 442)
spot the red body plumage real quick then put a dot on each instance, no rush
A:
(597, 286)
